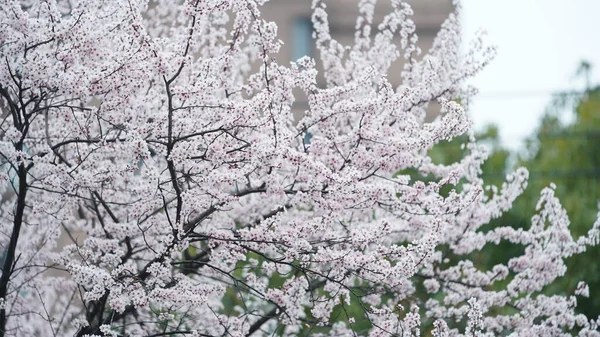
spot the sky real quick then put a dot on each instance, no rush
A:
(540, 46)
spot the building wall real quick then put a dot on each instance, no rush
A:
(293, 21)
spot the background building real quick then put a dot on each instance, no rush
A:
(293, 18)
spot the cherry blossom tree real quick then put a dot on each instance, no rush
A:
(157, 139)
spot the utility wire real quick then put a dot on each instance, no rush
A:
(527, 93)
(553, 174)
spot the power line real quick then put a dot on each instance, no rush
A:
(568, 135)
(554, 174)
(527, 93)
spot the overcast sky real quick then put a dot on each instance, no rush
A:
(540, 46)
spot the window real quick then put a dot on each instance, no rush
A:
(307, 137)
(302, 38)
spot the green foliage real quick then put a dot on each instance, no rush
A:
(568, 154)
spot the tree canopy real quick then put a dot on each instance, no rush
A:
(156, 183)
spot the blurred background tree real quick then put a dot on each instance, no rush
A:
(568, 154)
(565, 150)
